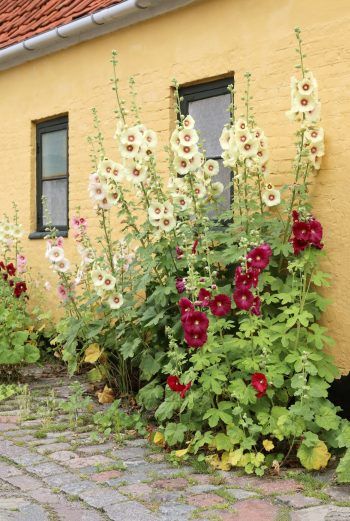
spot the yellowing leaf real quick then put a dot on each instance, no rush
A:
(158, 439)
(268, 445)
(92, 353)
(181, 453)
(314, 458)
(235, 456)
(106, 396)
(217, 463)
(244, 460)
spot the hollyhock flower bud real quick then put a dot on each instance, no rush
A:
(179, 253)
(194, 247)
(259, 382)
(195, 322)
(196, 339)
(214, 286)
(243, 298)
(180, 285)
(220, 305)
(295, 215)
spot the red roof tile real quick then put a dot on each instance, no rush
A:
(22, 19)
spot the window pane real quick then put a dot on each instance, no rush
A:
(211, 114)
(56, 195)
(54, 153)
(224, 201)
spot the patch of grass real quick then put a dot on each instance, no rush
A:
(283, 514)
(225, 494)
(312, 486)
(40, 434)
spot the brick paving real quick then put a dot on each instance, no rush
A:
(50, 471)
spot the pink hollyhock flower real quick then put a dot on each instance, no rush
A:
(179, 253)
(59, 242)
(197, 339)
(243, 298)
(175, 385)
(185, 307)
(301, 230)
(259, 382)
(316, 232)
(195, 322)
(62, 292)
(259, 257)
(256, 307)
(180, 285)
(220, 305)
(194, 247)
(75, 221)
(299, 245)
(11, 270)
(20, 287)
(204, 297)
(21, 263)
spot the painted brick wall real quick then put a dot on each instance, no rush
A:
(205, 40)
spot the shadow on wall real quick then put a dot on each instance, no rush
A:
(339, 394)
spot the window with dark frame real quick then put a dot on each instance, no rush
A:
(52, 172)
(208, 103)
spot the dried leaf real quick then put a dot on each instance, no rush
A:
(106, 396)
(158, 439)
(92, 353)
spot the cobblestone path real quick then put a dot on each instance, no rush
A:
(49, 472)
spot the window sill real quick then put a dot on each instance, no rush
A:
(41, 235)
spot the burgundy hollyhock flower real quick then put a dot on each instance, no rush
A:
(5, 276)
(204, 297)
(185, 307)
(299, 245)
(259, 257)
(2, 266)
(316, 233)
(246, 279)
(11, 270)
(180, 285)
(259, 382)
(256, 307)
(11, 283)
(175, 385)
(301, 230)
(220, 305)
(295, 215)
(196, 339)
(195, 322)
(243, 298)
(20, 288)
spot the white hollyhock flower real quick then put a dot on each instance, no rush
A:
(216, 189)
(248, 149)
(113, 197)
(316, 149)
(129, 150)
(150, 138)
(225, 138)
(271, 197)
(117, 172)
(243, 136)
(308, 84)
(17, 231)
(104, 204)
(230, 157)
(211, 167)
(167, 223)
(175, 140)
(105, 167)
(136, 173)
(155, 210)
(168, 208)
(115, 301)
(314, 135)
(262, 155)
(199, 191)
(176, 186)
(188, 122)
(98, 277)
(188, 136)
(182, 202)
(97, 191)
(196, 161)
(62, 266)
(258, 133)
(94, 178)
(241, 125)
(55, 254)
(131, 136)
(187, 151)
(314, 115)
(303, 103)
(87, 255)
(181, 165)
(109, 282)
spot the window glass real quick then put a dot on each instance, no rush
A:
(55, 193)
(54, 153)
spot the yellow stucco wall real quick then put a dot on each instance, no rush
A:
(205, 40)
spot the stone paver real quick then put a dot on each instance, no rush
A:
(66, 475)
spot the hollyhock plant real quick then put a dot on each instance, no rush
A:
(220, 305)
(175, 385)
(259, 382)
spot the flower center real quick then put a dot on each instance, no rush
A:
(271, 197)
(166, 222)
(186, 150)
(304, 102)
(306, 86)
(129, 148)
(131, 139)
(247, 146)
(243, 139)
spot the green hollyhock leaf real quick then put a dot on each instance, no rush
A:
(223, 442)
(175, 433)
(327, 418)
(314, 457)
(167, 408)
(343, 469)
